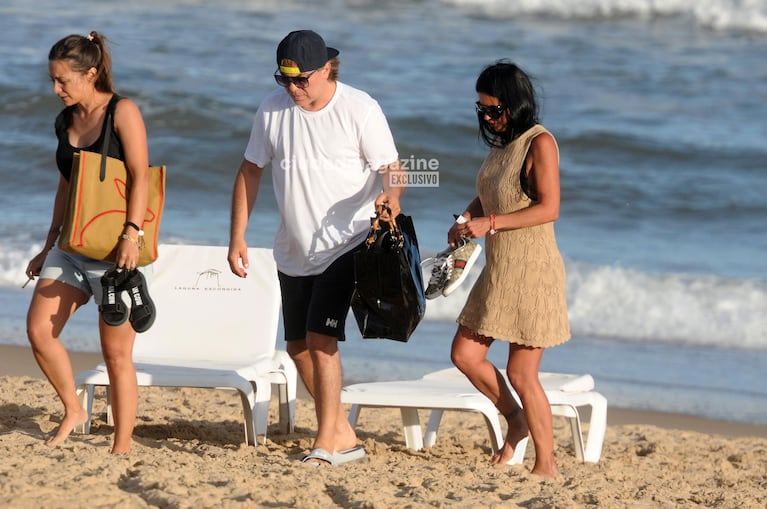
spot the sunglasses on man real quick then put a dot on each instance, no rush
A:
(298, 81)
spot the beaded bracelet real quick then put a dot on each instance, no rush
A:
(125, 236)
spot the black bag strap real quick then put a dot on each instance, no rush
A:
(108, 126)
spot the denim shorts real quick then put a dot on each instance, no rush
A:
(80, 271)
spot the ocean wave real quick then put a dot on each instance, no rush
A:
(604, 301)
(736, 15)
(629, 305)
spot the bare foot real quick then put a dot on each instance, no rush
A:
(546, 467)
(517, 430)
(546, 473)
(121, 443)
(66, 427)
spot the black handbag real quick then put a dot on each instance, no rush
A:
(389, 299)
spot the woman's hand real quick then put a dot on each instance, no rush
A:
(36, 265)
(454, 235)
(127, 252)
(475, 228)
(471, 229)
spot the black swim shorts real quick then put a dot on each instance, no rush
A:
(318, 303)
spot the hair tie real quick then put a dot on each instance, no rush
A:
(90, 37)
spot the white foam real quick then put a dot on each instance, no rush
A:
(689, 309)
(748, 15)
(13, 262)
(625, 304)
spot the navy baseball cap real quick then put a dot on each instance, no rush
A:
(306, 49)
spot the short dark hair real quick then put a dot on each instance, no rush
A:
(513, 88)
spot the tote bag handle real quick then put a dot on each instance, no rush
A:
(108, 126)
(376, 235)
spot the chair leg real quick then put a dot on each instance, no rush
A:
(109, 417)
(248, 410)
(261, 409)
(519, 452)
(412, 427)
(430, 437)
(288, 394)
(85, 392)
(577, 432)
(286, 417)
(292, 410)
(494, 426)
(569, 410)
(292, 389)
(597, 427)
(491, 419)
(354, 415)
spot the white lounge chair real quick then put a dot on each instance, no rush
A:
(449, 389)
(212, 330)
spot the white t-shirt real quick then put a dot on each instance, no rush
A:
(324, 173)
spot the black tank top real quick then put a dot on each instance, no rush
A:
(65, 152)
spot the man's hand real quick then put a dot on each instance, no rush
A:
(390, 203)
(238, 258)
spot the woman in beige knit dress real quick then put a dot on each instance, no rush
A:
(519, 297)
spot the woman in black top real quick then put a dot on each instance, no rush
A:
(80, 69)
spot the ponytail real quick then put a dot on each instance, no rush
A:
(84, 53)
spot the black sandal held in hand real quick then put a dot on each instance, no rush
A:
(142, 311)
(113, 310)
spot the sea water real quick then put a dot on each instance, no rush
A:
(659, 110)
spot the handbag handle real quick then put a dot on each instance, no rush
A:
(375, 227)
(108, 126)
(105, 143)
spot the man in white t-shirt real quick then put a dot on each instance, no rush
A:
(330, 150)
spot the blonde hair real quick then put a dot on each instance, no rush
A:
(335, 63)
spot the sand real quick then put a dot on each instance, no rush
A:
(188, 452)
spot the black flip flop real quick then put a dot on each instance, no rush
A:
(142, 311)
(113, 310)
